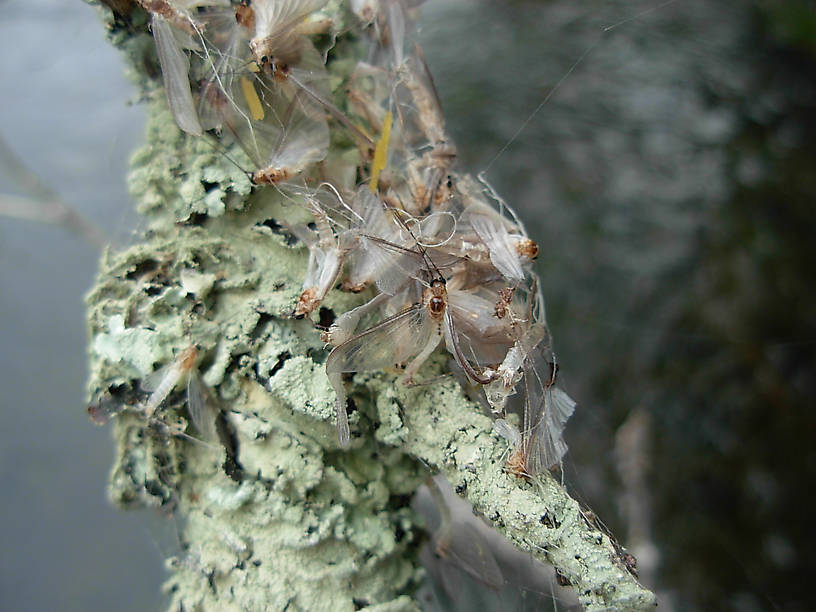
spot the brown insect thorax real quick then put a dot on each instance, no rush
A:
(436, 299)
(187, 358)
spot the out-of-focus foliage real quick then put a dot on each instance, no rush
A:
(671, 180)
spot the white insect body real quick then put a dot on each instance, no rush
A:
(326, 257)
(200, 404)
(162, 382)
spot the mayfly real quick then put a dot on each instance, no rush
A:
(546, 409)
(326, 257)
(176, 32)
(278, 41)
(410, 336)
(508, 246)
(162, 382)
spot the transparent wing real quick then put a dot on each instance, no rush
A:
(154, 380)
(175, 66)
(497, 240)
(346, 324)
(393, 341)
(466, 547)
(453, 345)
(547, 410)
(390, 264)
(508, 431)
(276, 17)
(201, 407)
(396, 24)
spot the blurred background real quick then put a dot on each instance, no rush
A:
(670, 180)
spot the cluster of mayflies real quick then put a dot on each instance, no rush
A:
(450, 260)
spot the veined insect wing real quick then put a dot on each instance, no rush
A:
(380, 254)
(500, 245)
(545, 414)
(464, 546)
(151, 382)
(344, 327)
(276, 24)
(161, 382)
(201, 407)
(508, 431)
(392, 341)
(175, 66)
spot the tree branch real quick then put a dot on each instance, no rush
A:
(275, 514)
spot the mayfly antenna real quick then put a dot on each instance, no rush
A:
(226, 155)
(541, 105)
(422, 251)
(605, 30)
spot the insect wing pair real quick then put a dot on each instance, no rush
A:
(200, 404)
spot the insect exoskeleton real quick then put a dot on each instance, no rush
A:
(502, 307)
(436, 298)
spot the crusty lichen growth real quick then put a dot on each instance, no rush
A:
(450, 434)
(276, 515)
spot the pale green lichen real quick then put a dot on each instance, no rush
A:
(276, 515)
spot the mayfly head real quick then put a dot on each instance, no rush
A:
(278, 39)
(527, 249)
(245, 16)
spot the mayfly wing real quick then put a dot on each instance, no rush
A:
(226, 57)
(559, 408)
(468, 549)
(508, 431)
(497, 239)
(346, 324)
(392, 341)
(287, 142)
(175, 66)
(201, 407)
(322, 271)
(153, 381)
(547, 410)
(393, 264)
(454, 347)
(275, 22)
(161, 382)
